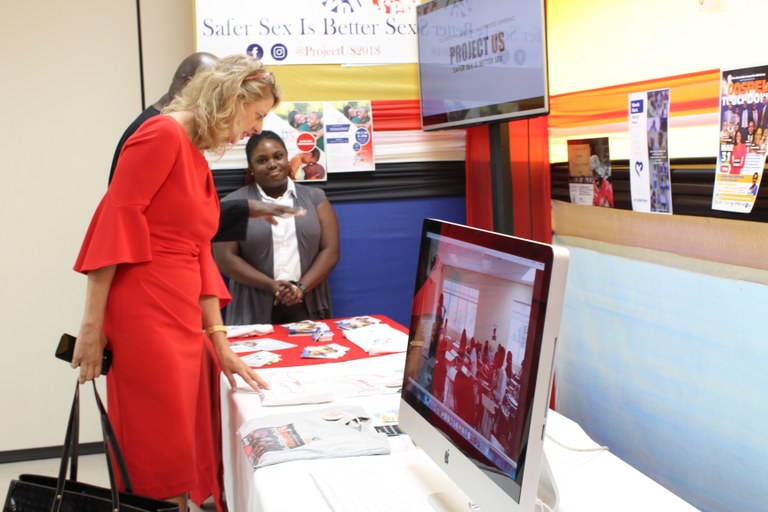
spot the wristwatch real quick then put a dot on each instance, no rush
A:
(300, 286)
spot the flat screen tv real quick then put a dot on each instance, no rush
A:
(481, 61)
(478, 371)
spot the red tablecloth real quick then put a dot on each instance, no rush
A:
(292, 356)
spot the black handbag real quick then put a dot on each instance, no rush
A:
(36, 493)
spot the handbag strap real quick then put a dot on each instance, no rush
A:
(69, 439)
(70, 451)
(110, 441)
(74, 418)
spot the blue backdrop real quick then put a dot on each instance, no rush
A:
(379, 248)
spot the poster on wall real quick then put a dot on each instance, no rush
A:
(325, 137)
(302, 128)
(310, 31)
(349, 136)
(743, 136)
(589, 169)
(649, 176)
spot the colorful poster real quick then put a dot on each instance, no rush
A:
(349, 136)
(649, 176)
(743, 135)
(302, 127)
(589, 169)
(310, 31)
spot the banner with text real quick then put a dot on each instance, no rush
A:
(743, 136)
(649, 176)
(310, 31)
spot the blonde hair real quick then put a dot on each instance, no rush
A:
(217, 95)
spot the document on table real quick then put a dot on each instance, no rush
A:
(259, 344)
(240, 331)
(378, 339)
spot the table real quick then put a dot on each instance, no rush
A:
(598, 480)
(587, 481)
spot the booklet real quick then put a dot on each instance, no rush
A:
(322, 333)
(356, 322)
(305, 327)
(329, 351)
(279, 438)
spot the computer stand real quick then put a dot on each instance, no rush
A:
(457, 501)
(548, 493)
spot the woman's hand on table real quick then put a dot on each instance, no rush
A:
(231, 365)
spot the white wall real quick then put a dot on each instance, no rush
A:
(597, 43)
(69, 87)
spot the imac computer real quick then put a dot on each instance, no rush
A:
(478, 371)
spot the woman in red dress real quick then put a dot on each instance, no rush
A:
(154, 290)
(739, 154)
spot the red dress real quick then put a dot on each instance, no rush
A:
(156, 222)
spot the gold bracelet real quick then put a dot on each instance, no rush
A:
(216, 328)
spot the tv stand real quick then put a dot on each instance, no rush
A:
(456, 501)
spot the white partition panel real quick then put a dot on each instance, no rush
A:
(667, 367)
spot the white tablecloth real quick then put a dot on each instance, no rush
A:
(587, 481)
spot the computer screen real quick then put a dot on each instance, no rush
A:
(484, 322)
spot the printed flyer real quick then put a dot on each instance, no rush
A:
(349, 136)
(649, 176)
(743, 136)
(589, 169)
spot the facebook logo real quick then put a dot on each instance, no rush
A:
(636, 106)
(255, 51)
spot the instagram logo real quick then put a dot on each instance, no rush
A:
(279, 52)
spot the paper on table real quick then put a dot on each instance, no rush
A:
(260, 344)
(378, 339)
(238, 331)
(259, 359)
(301, 393)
